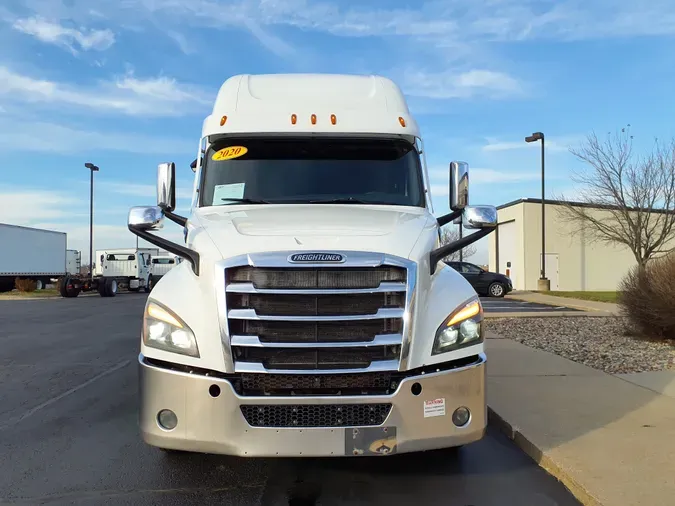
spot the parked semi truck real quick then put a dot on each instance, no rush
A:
(115, 269)
(312, 315)
(30, 253)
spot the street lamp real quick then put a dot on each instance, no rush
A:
(92, 168)
(543, 283)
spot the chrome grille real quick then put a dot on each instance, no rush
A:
(345, 319)
(322, 277)
(315, 305)
(380, 383)
(315, 415)
(316, 332)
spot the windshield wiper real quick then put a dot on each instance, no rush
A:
(247, 201)
(344, 200)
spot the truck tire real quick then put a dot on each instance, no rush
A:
(111, 287)
(63, 282)
(68, 289)
(148, 284)
(102, 283)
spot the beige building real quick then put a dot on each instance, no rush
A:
(572, 262)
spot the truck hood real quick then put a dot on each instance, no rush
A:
(392, 230)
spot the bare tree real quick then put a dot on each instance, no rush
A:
(449, 235)
(637, 194)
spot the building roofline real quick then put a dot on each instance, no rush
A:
(527, 200)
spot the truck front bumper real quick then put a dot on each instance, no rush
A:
(211, 424)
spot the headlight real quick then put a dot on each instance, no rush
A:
(164, 330)
(462, 328)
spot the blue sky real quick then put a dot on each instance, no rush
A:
(126, 84)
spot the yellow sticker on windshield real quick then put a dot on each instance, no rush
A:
(229, 153)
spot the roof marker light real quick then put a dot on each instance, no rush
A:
(294, 119)
(401, 121)
(333, 119)
(313, 119)
(223, 120)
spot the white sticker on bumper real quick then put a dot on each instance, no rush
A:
(435, 407)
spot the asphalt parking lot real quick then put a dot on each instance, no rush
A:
(505, 305)
(68, 434)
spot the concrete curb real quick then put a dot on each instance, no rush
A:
(540, 457)
(562, 301)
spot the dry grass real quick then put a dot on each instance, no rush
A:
(38, 294)
(25, 285)
(648, 298)
(594, 296)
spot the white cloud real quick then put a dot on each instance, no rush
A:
(455, 84)
(25, 206)
(54, 33)
(441, 23)
(159, 96)
(21, 135)
(181, 41)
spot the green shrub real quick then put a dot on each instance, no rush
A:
(648, 298)
(25, 285)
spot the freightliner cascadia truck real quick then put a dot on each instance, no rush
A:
(313, 314)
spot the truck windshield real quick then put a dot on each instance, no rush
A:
(312, 170)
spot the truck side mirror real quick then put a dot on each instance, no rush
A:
(479, 217)
(166, 186)
(146, 218)
(459, 185)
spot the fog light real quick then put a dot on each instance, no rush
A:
(167, 419)
(461, 416)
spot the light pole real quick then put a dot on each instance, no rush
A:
(92, 168)
(543, 284)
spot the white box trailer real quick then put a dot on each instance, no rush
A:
(30, 253)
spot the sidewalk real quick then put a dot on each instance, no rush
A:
(611, 442)
(604, 308)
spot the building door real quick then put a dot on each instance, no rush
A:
(508, 247)
(551, 269)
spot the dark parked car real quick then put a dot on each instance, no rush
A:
(484, 282)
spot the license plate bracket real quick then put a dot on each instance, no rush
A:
(363, 441)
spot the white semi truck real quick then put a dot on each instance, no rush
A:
(30, 253)
(312, 315)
